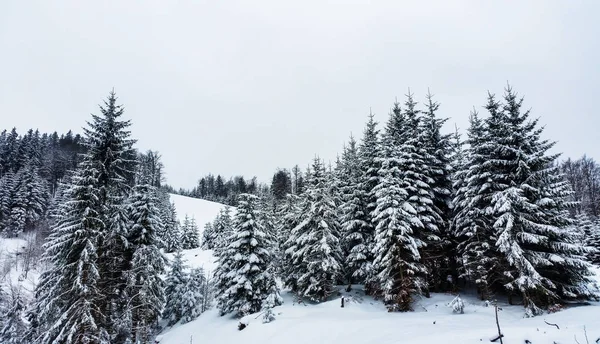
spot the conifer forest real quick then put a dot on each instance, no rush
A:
(408, 209)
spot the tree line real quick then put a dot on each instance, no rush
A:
(411, 210)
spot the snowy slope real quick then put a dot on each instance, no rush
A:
(365, 320)
(12, 270)
(203, 212)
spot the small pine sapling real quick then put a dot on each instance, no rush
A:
(457, 305)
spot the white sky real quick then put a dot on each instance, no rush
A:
(244, 87)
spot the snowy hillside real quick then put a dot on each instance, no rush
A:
(203, 212)
(365, 320)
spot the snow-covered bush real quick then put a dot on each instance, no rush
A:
(457, 305)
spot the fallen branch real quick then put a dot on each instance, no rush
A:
(547, 323)
(496, 338)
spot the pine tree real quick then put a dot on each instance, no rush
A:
(471, 225)
(30, 200)
(417, 180)
(208, 237)
(593, 241)
(189, 237)
(145, 286)
(222, 229)
(397, 267)
(317, 254)
(545, 262)
(439, 151)
(172, 232)
(175, 285)
(67, 294)
(289, 214)
(247, 279)
(13, 327)
(355, 220)
(193, 296)
(7, 195)
(512, 219)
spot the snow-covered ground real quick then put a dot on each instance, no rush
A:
(365, 320)
(13, 271)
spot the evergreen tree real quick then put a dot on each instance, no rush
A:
(439, 154)
(67, 295)
(290, 218)
(175, 285)
(317, 253)
(30, 200)
(397, 267)
(145, 287)
(190, 238)
(513, 217)
(355, 220)
(593, 241)
(13, 327)
(474, 185)
(417, 180)
(247, 279)
(193, 296)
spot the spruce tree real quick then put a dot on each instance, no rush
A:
(472, 225)
(417, 180)
(247, 279)
(317, 254)
(398, 271)
(13, 327)
(290, 212)
(190, 238)
(355, 220)
(145, 287)
(439, 154)
(175, 285)
(67, 295)
(193, 296)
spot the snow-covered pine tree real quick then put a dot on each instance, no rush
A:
(369, 154)
(190, 237)
(472, 224)
(317, 254)
(7, 194)
(13, 326)
(118, 262)
(207, 237)
(593, 241)
(248, 281)
(145, 285)
(172, 230)
(193, 296)
(398, 271)
(67, 295)
(545, 262)
(110, 153)
(356, 223)
(222, 229)
(417, 180)
(175, 284)
(439, 153)
(289, 213)
(30, 200)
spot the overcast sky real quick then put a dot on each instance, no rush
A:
(244, 87)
